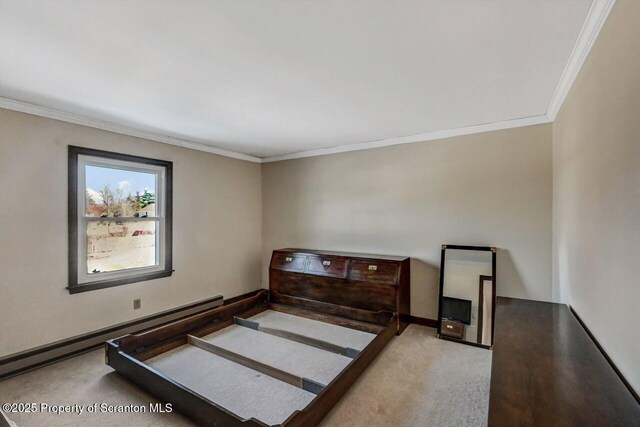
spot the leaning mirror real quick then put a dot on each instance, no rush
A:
(467, 294)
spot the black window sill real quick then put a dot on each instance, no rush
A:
(108, 283)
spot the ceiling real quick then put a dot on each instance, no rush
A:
(270, 78)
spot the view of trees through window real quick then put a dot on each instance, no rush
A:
(119, 192)
(114, 245)
(117, 204)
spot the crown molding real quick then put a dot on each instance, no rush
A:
(50, 113)
(422, 137)
(596, 17)
(594, 21)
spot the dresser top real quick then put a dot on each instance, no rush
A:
(546, 370)
(342, 254)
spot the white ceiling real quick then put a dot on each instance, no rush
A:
(268, 78)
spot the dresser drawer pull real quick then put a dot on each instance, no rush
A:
(449, 327)
(373, 267)
(288, 259)
(326, 263)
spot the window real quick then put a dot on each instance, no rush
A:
(119, 219)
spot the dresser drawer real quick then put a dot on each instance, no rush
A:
(372, 271)
(452, 329)
(328, 266)
(288, 262)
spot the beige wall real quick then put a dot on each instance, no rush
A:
(486, 189)
(596, 139)
(217, 229)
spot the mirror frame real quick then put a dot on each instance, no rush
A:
(493, 251)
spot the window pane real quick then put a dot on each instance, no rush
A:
(119, 245)
(119, 192)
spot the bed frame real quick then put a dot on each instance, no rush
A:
(363, 292)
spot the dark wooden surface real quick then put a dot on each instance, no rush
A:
(182, 399)
(323, 316)
(367, 296)
(546, 371)
(606, 356)
(480, 306)
(325, 293)
(432, 323)
(375, 317)
(342, 284)
(326, 400)
(3, 421)
(343, 254)
(140, 342)
(386, 272)
(453, 329)
(240, 297)
(337, 267)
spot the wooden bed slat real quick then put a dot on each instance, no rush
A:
(302, 339)
(289, 378)
(327, 318)
(364, 316)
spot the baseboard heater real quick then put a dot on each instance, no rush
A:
(27, 360)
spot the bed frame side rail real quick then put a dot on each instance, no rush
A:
(210, 319)
(333, 392)
(184, 400)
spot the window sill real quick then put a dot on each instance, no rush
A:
(108, 283)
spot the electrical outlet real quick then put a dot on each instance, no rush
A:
(136, 304)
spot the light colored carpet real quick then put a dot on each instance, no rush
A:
(82, 380)
(334, 334)
(418, 380)
(243, 391)
(289, 356)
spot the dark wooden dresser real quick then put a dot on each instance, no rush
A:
(317, 279)
(547, 371)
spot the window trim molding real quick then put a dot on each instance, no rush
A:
(72, 197)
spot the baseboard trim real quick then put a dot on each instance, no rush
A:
(18, 363)
(606, 356)
(432, 323)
